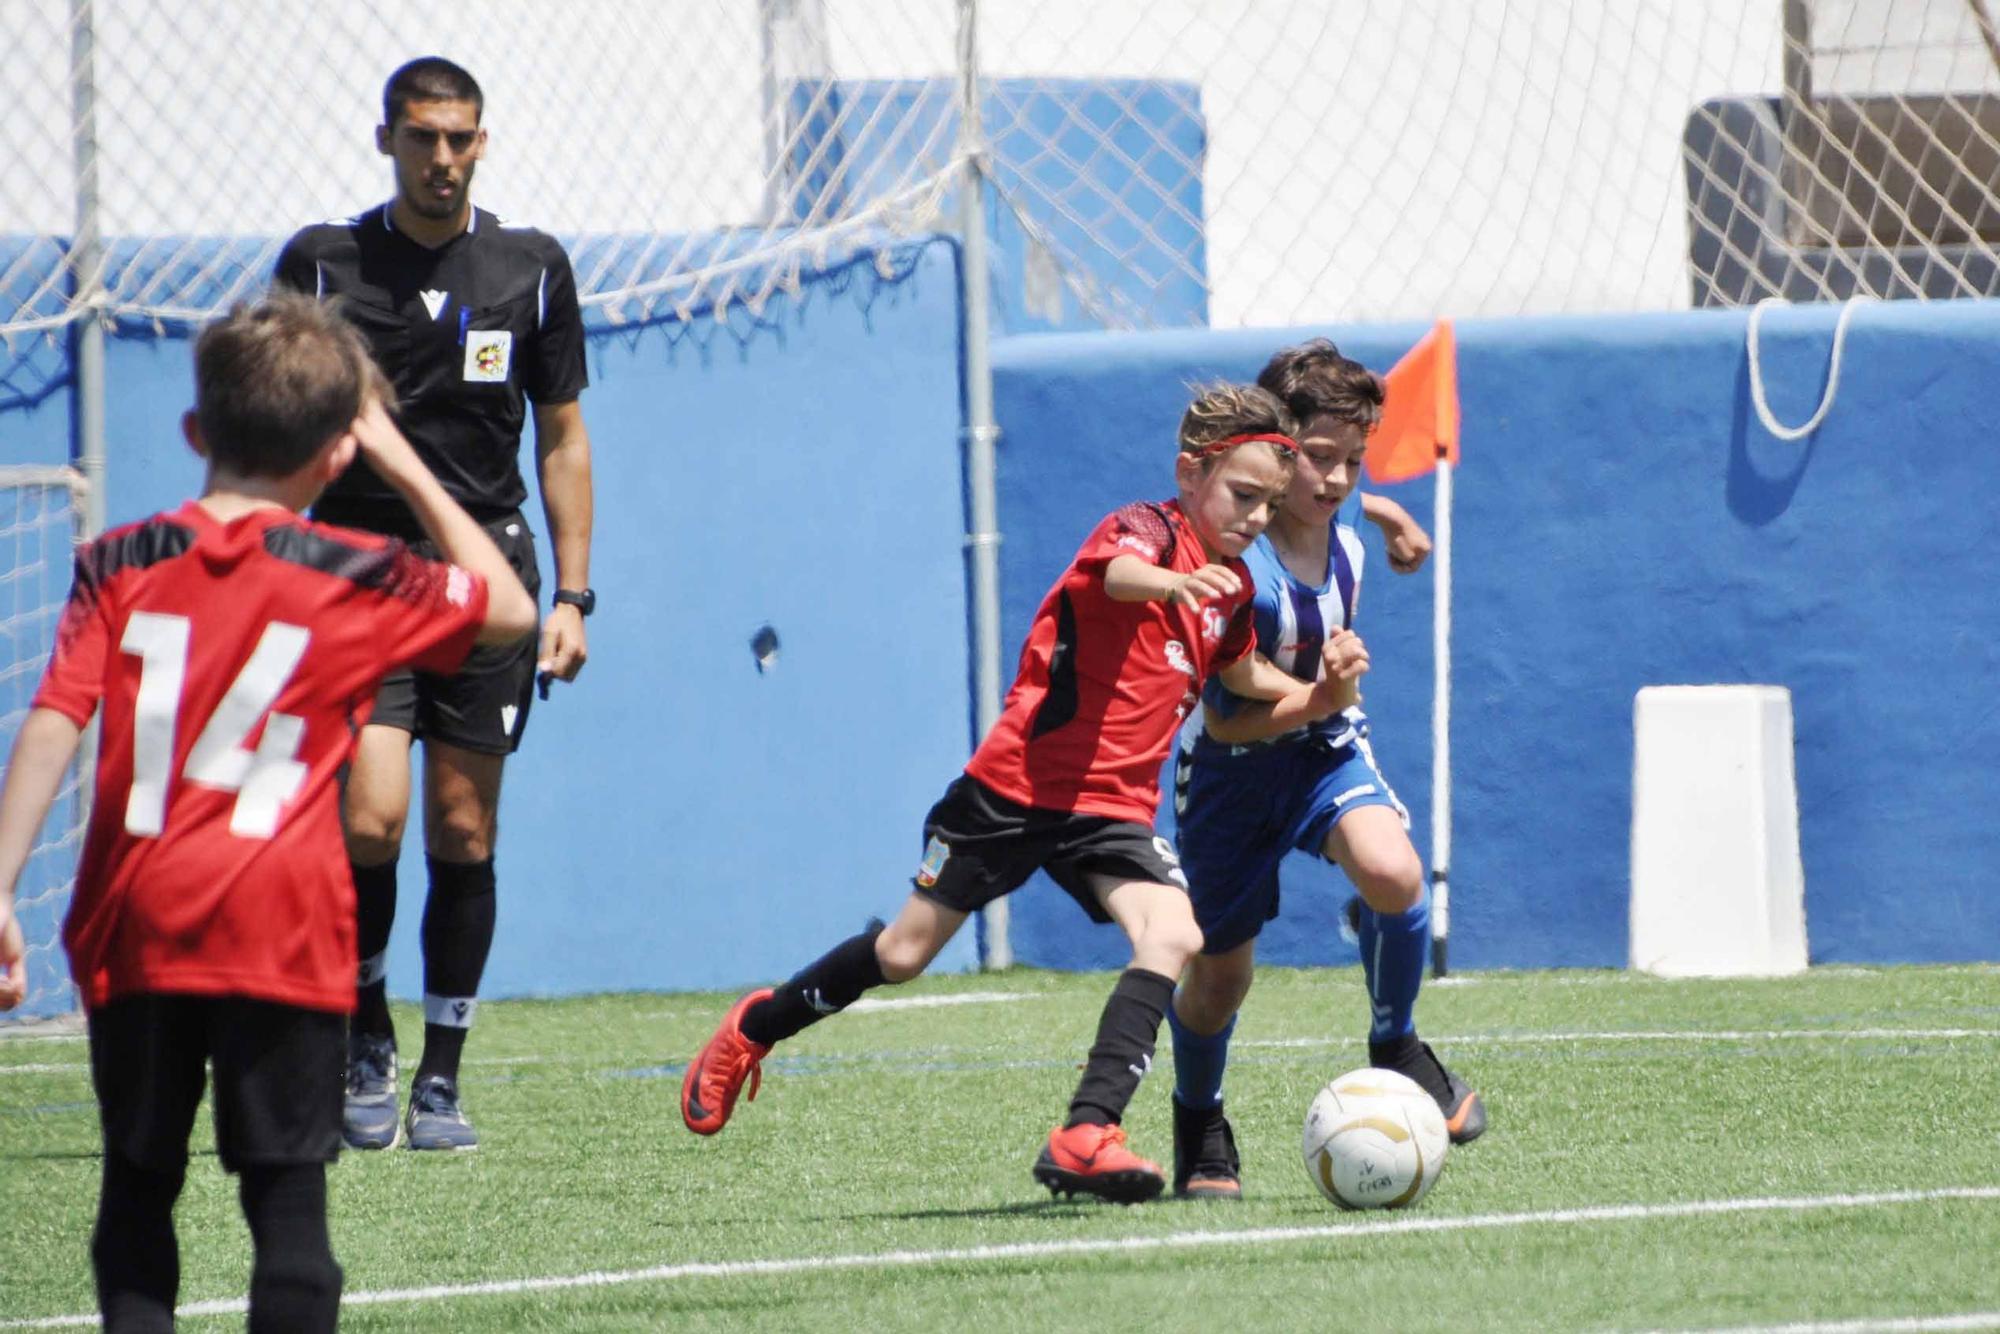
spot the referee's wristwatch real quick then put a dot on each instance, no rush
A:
(585, 601)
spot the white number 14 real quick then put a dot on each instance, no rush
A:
(264, 779)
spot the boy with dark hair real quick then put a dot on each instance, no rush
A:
(1258, 780)
(1068, 781)
(230, 650)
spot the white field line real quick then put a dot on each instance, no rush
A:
(1661, 1035)
(1279, 1044)
(868, 1003)
(1034, 1250)
(1888, 1324)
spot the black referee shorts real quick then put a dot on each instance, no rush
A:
(280, 1074)
(980, 846)
(483, 706)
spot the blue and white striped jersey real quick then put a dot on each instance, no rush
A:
(1293, 619)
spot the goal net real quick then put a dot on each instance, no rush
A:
(38, 529)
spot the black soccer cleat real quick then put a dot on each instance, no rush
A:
(1206, 1166)
(1464, 1110)
(1093, 1160)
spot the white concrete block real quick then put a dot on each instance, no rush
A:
(1718, 889)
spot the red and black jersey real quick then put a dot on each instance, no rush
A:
(1103, 685)
(234, 665)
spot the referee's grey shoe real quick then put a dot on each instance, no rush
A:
(368, 1117)
(435, 1120)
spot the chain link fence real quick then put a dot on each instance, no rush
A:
(1166, 162)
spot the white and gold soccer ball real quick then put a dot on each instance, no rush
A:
(1374, 1140)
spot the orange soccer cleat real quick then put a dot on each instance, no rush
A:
(1093, 1160)
(715, 1076)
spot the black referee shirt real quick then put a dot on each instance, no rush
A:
(469, 333)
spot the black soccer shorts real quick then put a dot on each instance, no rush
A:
(483, 706)
(280, 1074)
(980, 846)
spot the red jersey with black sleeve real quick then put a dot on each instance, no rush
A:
(1103, 685)
(233, 664)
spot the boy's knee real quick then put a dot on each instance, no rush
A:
(1392, 885)
(374, 837)
(901, 958)
(1174, 938)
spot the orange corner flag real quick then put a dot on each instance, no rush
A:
(1420, 418)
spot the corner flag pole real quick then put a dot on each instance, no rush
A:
(1441, 722)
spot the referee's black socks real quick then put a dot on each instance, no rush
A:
(1123, 1052)
(827, 985)
(458, 933)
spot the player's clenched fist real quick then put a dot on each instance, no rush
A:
(1198, 586)
(1344, 655)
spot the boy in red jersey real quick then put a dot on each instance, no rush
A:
(1068, 781)
(231, 650)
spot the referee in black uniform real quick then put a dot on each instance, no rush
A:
(476, 323)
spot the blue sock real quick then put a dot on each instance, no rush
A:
(1198, 1063)
(1393, 947)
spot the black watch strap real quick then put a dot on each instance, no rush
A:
(584, 601)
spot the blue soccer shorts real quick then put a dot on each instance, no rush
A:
(1241, 814)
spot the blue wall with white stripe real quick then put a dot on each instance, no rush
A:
(678, 820)
(1622, 520)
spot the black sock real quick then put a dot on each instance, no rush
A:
(458, 932)
(133, 1251)
(825, 986)
(375, 913)
(294, 1281)
(1123, 1052)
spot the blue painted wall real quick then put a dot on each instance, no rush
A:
(677, 820)
(1622, 520)
(680, 821)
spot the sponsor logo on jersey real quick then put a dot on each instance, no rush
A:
(488, 354)
(1177, 657)
(935, 854)
(457, 587)
(1137, 543)
(434, 300)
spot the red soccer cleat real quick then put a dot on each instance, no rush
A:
(715, 1076)
(1093, 1160)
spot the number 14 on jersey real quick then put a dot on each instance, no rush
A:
(263, 779)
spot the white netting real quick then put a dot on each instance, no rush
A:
(1159, 162)
(38, 527)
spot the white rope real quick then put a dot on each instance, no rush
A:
(1763, 406)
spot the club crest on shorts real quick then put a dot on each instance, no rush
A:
(935, 854)
(488, 355)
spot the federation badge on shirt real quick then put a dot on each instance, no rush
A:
(488, 354)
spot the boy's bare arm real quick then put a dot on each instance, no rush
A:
(42, 753)
(1132, 579)
(1257, 677)
(1409, 545)
(510, 612)
(1345, 658)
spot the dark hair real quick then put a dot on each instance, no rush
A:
(1222, 410)
(1314, 380)
(274, 383)
(429, 79)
